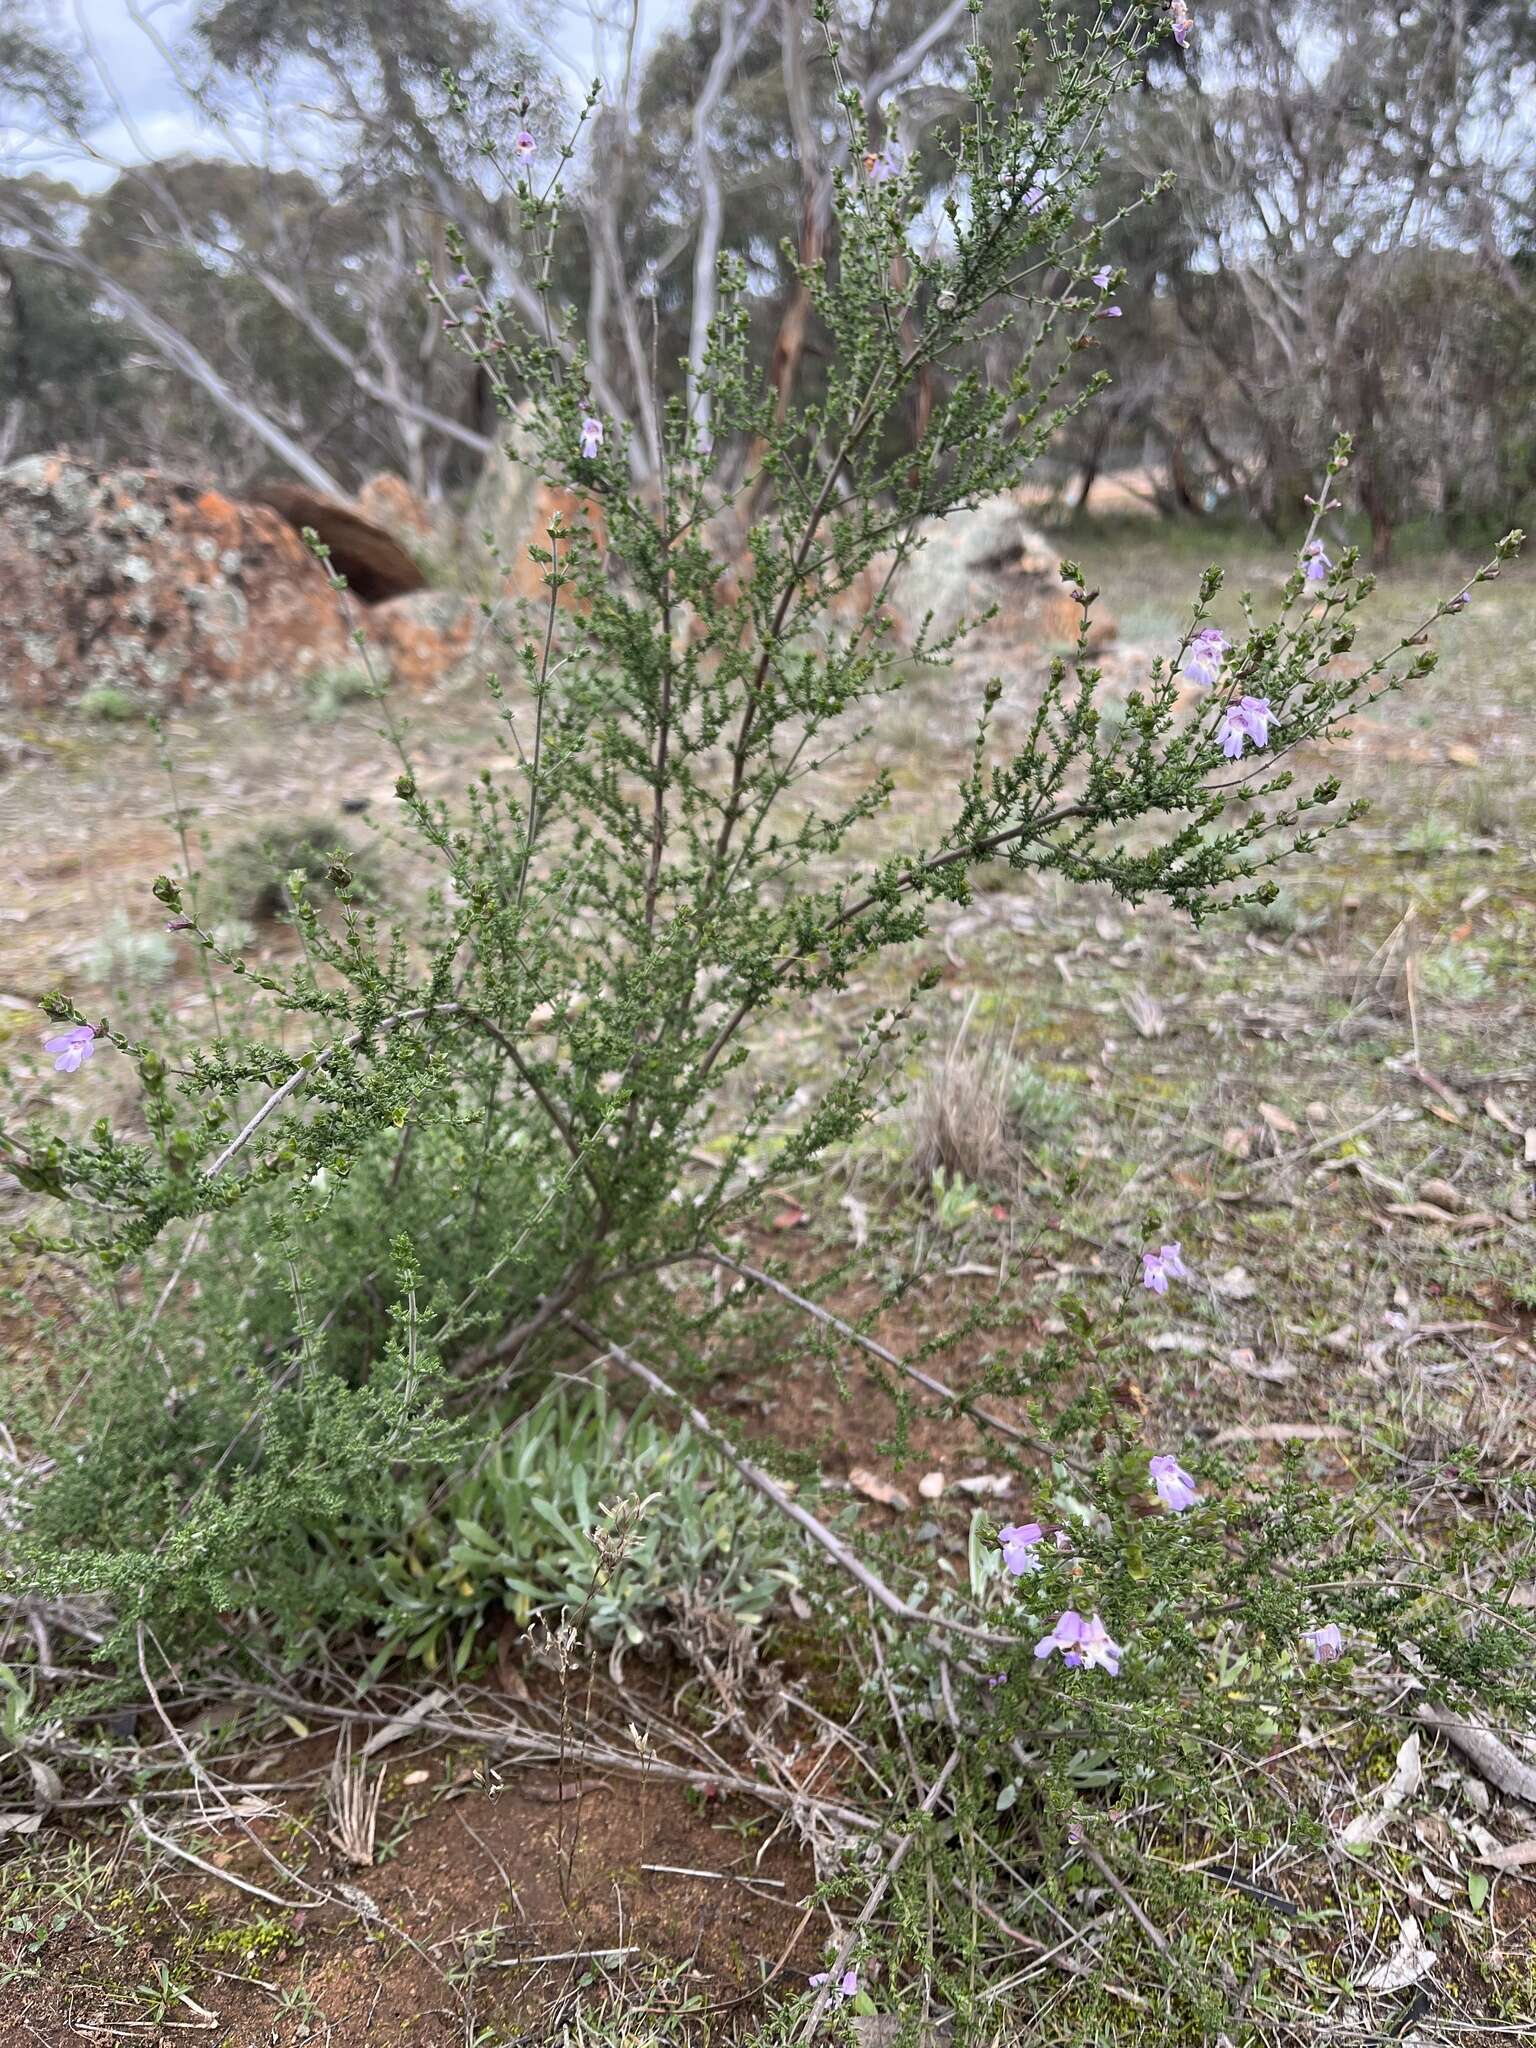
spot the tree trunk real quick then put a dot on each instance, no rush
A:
(736, 31)
(174, 348)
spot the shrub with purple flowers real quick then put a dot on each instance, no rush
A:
(421, 1167)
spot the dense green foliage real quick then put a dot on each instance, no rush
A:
(361, 1219)
(511, 1541)
(508, 1092)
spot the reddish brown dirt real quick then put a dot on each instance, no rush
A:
(869, 1417)
(471, 1883)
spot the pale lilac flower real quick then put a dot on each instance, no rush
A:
(847, 1986)
(1247, 719)
(1175, 1489)
(1183, 25)
(73, 1048)
(880, 166)
(1020, 1543)
(1101, 278)
(1327, 1642)
(523, 145)
(1316, 561)
(1161, 1266)
(1107, 313)
(465, 279)
(1202, 662)
(1460, 601)
(1034, 196)
(1081, 1642)
(992, 1679)
(591, 436)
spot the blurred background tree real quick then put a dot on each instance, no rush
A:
(1350, 242)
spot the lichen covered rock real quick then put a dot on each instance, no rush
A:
(424, 638)
(131, 580)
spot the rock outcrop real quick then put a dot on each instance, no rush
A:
(174, 593)
(425, 638)
(988, 555)
(139, 582)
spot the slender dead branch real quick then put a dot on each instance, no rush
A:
(872, 1903)
(817, 1530)
(1158, 1939)
(212, 1869)
(876, 1349)
(1491, 1758)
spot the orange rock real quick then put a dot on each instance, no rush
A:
(141, 582)
(552, 506)
(424, 636)
(389, 502)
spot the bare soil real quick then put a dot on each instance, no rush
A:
(1327, 1104)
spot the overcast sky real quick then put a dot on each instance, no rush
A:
(129, 60)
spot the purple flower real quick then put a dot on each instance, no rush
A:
(1107, 313)
(591, 436)
(1020, 1542)
(1327, 1642)
(1081, 1643)
(523, 145)
(880, 166)
(1183, 26)
(1175, 1489)
(1247, 719)
(1316, 562)
(1034, 196)
(1101, 278)
(1161, 1266)
(73, 1047)
(1202, 662)
(1460, 601)
(847, 1986)
(992, 1679)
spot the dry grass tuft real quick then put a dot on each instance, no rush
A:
(960, 1123)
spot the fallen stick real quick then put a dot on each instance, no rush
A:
(1154, 1934)
(534, 1750)
(212, 1869)
(769, 1487)
(871, 1904)
(1490, 1757)
(875, 1349)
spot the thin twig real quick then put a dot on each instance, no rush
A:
(1158, 1940)
(871, 1904)
(876, 1349)
(833, 1545)
(212, 1869)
